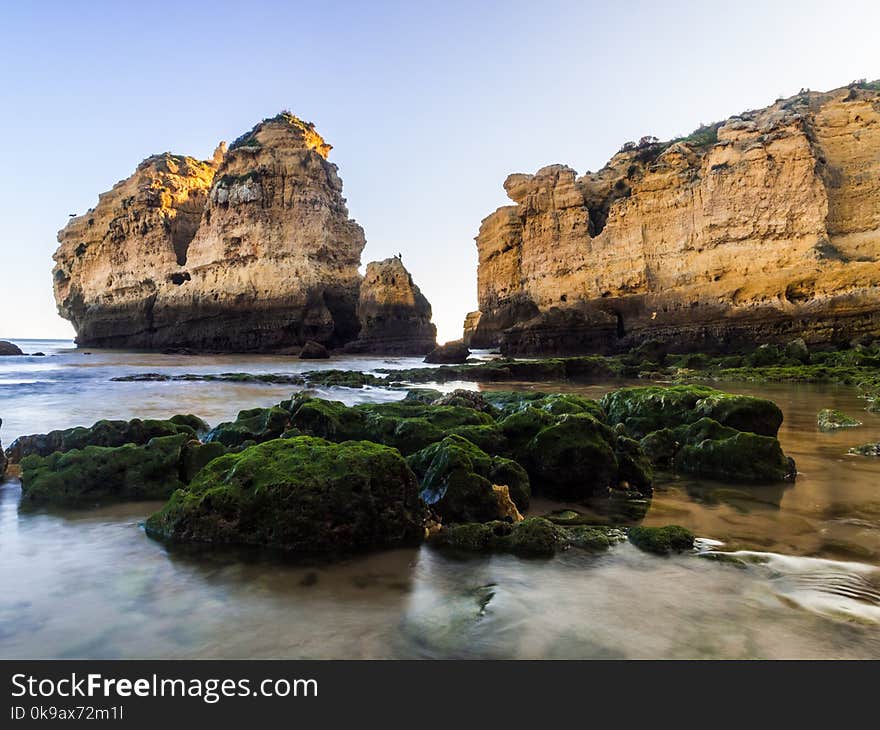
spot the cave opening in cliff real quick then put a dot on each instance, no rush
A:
(621, 330)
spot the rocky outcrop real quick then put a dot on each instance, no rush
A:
(449, 354)
(394, 316)
(252, 251)
(114, 261)
(762, 228)
(7, 348)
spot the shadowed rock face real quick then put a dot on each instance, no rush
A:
(395, 317)
(763, 228)
(253, 251)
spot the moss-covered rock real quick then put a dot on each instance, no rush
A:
(303, 495)
(866, 450)
(103, 473)
(457, 478)
(643, 410)
(573, 458)
(253, 424)
(829, 419)
(533, 537)
(711, 450)
(342, 378)
(634, 468)
(521, 427)
(425, 396)
(661, 540)
(466, 399)
(406, 425)
(196, 455)
(103, 433)
(660, 447)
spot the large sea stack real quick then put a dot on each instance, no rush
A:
(395, 317)
(762, 228)
(251, 251)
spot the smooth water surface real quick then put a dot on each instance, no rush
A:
(805, 581)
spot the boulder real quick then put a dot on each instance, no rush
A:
(457, 481)
(102, 473)
(449, 354)
(7, 348)
(645, 409)
(104, 433)
(711, 450)
(572, 459)
(313, 351)
(251, 426)
(302, 495)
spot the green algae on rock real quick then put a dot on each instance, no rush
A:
(104, 433)
(457, 480)
(829, 419)
(661, 540)
(866, 450)
(650, 408)
(251, 426)
(533, 537)
(711, 450)
(303, 495)
(104, 473)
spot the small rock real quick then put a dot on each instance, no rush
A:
(507, 510)
(866, 450)
(829, 419)
(661, 540)
(313, 351)
(7, 348)
(797, 350)
(449, 354)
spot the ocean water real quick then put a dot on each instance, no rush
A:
(800, 575)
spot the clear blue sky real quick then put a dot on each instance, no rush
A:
(429, 106)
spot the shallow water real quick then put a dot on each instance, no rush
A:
(804, 581)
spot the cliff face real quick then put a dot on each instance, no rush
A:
(395, 317)
(252, 251)
(114, 260)
(759, 229)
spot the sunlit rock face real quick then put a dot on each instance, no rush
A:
(394, 315)
(760, 229)
(253, 251)
(114, 261)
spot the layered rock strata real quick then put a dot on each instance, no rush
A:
(252, 251)
(762, 228)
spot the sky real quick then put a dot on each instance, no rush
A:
(429, 106)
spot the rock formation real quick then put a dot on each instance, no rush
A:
(395, 317)
(252, 251)
(114, 261)
(762, 228)
(7, 348)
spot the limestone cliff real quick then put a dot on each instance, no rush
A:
(253, 251)
(762, 228)
(395, 317)
(114, 260)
